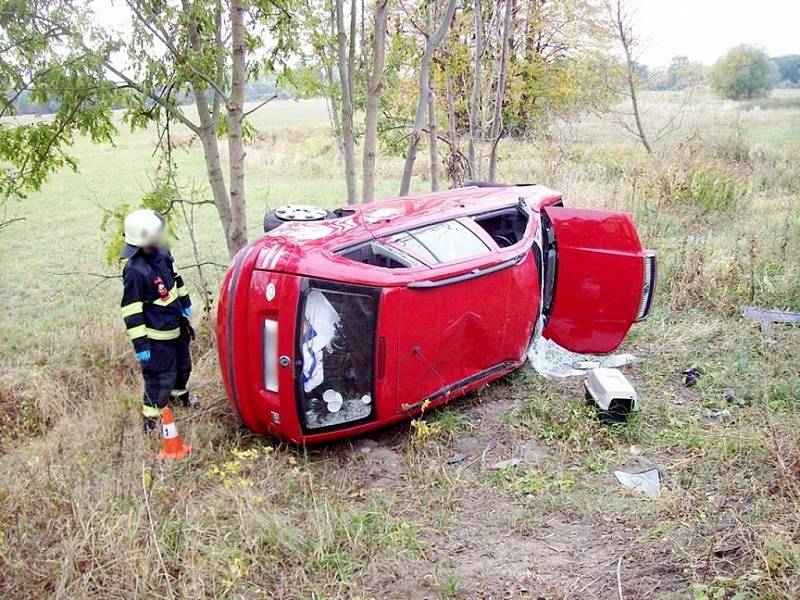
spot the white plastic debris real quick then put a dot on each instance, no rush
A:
(551, 360)
(333, 400)
(645, 482)
(586, 365)
(608, 387)
(506, 464)
(319, 324)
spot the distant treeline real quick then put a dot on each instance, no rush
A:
(255, 91)
(683, 73)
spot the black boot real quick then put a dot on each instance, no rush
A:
(149, 425)
(186, 400)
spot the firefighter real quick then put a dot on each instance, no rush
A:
(156, 309)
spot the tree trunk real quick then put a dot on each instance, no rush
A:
(333, 104)
(237, 232)
(497, 121)
(476, 85)
(351, 51)
(216, 180)
(452, 164)
(433, 130)
(422, 103)
(348, 136)
(208, 139)
(625, 39)
(373, 97)
(433, 133)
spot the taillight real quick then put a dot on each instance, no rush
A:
(649, 286)
(270, 355)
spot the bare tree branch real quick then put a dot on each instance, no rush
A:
(260, 105)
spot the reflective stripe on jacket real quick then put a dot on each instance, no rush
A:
(148, 313)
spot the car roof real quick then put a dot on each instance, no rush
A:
(305, 247)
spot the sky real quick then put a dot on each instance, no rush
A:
(703, 30)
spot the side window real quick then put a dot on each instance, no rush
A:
(380, 255)
(441, 242)
(506, 227)
(409, 243)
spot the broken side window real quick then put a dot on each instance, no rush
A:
(380, 255)
(337, 346)
(506, 227)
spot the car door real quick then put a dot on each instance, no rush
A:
(513, 230)
(598, 281)
(452, 321)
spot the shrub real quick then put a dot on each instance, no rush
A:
(705, 186)
(744, 73)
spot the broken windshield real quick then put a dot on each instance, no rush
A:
(337, 339)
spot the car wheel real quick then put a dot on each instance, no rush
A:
(293, 212)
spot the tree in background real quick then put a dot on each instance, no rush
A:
(342, 54)
(210, 49)
(623, 29)
(744, 73)
(43, 61)
(205, 50)
(504, 69)
(788, 68)
(374, 89)
(680, 75)
(432, 40)
(621, 20)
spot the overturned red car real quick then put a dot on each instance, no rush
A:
(335, 323)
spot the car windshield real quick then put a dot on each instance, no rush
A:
(441, 242)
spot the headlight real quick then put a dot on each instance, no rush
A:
(270, 355)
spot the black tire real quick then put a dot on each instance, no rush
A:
(271, 221)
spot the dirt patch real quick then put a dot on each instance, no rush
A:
(557, 555)
(378, 466)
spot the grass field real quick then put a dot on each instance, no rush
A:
(85, 512)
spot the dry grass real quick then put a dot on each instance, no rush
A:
(86, 512)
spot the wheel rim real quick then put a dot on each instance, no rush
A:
(300, 212)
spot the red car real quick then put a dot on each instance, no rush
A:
(335, 323)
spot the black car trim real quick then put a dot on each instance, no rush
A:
(652, 259)
(474, 274)
(449, 389)
(493, 184)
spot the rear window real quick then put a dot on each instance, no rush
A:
(440, 243)
(337, 345)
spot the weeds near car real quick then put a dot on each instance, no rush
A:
(244, 518)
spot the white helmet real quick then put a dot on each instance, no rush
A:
(143, 227)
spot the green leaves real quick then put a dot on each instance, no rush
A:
(45, 63)
(162, 197)
(744, 73)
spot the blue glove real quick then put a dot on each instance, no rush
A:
(187, 311)
(143, 356)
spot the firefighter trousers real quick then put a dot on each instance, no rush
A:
(166, 373)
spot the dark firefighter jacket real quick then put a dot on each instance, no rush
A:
(153, 298)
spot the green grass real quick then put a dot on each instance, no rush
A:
(85, 512)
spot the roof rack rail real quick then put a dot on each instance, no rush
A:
(488, 184)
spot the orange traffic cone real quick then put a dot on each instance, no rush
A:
(173, 447)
